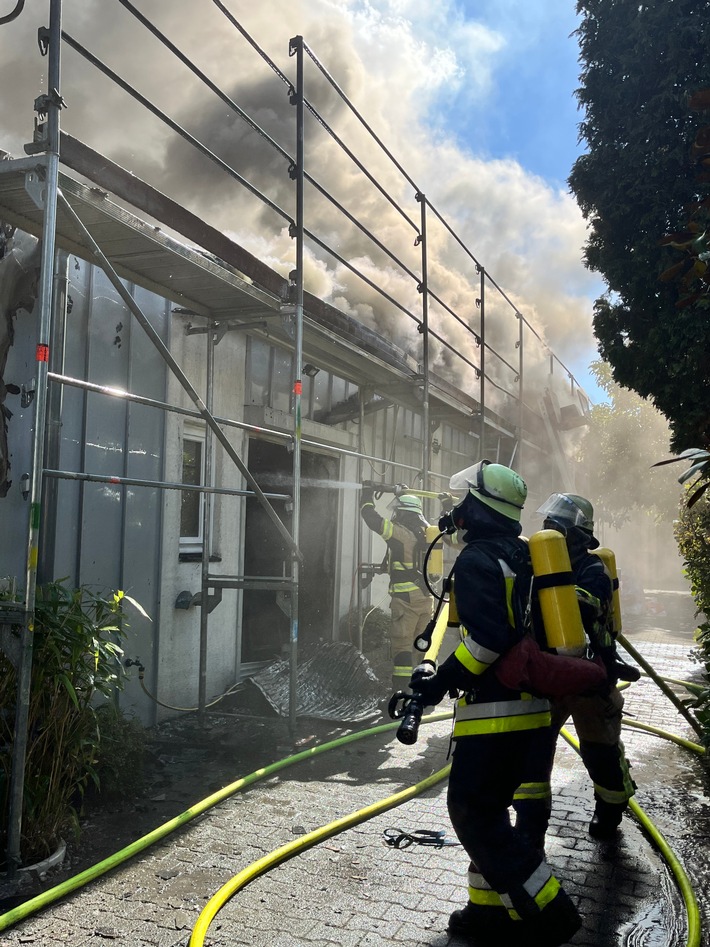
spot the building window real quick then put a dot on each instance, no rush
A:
(192, 504)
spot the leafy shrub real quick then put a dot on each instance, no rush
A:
(376, 625)
(692, 533)
(76, 667)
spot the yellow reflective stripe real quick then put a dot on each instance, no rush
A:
(488, 898)
(629, 784)
(387, 529)
(404, 587)
(588, 597)
(533, 791)
(509, 577)
(402, 671)
(547, 893)
(469, 728)
(401, 566)
(471, 664)
(615, 796)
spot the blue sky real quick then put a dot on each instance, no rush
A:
(485, 114)
(518, 99)
(530, 113)
(475, 97)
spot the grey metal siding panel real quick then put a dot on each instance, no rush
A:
(142, 553)
(105, 437)
(69, 494)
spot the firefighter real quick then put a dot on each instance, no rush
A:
(513, 895)
(596, 716)
(410, 602)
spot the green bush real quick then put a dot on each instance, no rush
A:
(376, 625)
(692, 533)
(76, 668)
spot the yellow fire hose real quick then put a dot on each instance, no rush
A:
(677, 703)
(40, 901)
(681, 741)
(33, 905)
(691, 905)
(279, 855)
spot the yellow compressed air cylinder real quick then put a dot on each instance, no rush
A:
(435, 564)
(558, 600)
(609, 559)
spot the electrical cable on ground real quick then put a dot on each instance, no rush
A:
(141, 679)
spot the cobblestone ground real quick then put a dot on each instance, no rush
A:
(354, 890)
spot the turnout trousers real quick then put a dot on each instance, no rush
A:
(597, 720)
(511, 888)
(411, 613)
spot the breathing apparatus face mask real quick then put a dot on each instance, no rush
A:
(467, 515)
(562, 513)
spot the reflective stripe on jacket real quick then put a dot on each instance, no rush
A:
(402, 545)
(487, 587)
(501, 716)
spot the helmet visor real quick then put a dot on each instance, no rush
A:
(565, 511)
(405, 501)
(469, 477)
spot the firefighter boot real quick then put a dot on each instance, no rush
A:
(483, 925)
(555, 925)
(606, 819)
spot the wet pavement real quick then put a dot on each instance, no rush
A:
(354, 890)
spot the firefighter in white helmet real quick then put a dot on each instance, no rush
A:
(410, 602)
(513, 897)
(596, 716)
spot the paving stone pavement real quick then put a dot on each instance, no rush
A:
(354, 890)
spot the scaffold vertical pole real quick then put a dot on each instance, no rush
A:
(206, 532)
(424, 290)
(482, 308)
(521, 392)
(51, 106)
(296, 48)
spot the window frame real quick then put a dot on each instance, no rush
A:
(195, 434)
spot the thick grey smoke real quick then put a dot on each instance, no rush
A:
(527, 235)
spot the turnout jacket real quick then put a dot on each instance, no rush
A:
(491, 582)
(594, 593)
(405, 549)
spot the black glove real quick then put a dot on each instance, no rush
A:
(448, 502)
(367, 492)
(428, 684)
(608, 656)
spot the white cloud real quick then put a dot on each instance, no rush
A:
(395, 59)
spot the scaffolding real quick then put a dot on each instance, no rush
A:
(228, 289)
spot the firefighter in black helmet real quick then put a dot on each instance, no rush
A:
(513, 897)
(596, 716)
(410, 602)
